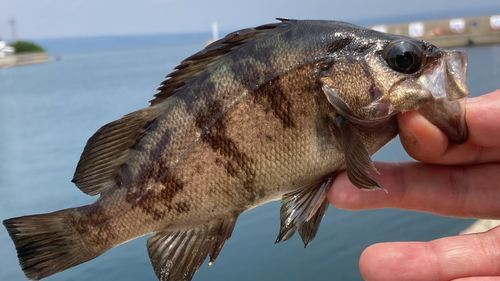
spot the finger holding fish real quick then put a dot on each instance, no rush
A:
(455, 191)
(425, 142)
(436, 188)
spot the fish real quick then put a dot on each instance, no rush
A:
(272, 112)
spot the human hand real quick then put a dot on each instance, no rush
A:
(452, 180)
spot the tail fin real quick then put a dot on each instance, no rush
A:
(48, 243)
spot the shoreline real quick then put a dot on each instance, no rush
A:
(24, 59)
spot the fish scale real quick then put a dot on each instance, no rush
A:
(266, 113)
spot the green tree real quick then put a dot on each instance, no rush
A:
(27, 47)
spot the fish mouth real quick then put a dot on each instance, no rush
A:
(447, 83)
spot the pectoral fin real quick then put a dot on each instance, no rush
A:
(358, 160)
(357, 157)
(303, 210)
(176, 256)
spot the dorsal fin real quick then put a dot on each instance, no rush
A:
(195, 64)
(108, 149)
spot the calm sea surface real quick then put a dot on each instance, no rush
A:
(48, 111)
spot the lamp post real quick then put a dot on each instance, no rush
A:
(12, 23)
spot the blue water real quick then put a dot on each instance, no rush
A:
(48, 111)
(63, 46)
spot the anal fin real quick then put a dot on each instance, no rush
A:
(303, 210)
(177, 255)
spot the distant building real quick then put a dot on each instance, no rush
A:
(5, 50)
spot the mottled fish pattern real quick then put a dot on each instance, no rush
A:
(266, 113)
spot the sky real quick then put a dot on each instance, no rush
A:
(36, 19)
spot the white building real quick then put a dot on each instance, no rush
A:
(5, 50)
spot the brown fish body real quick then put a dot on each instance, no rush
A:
(264, 114)
(249, 157)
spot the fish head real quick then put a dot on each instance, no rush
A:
(431, 80)
(399, 74)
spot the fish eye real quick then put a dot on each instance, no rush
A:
(404, 56)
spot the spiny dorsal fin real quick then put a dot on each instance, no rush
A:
(177, 255)
(108, 149)
(195, 64)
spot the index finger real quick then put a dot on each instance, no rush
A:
(425, 142)
(456, 191)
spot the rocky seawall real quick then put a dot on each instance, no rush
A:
(24, 59)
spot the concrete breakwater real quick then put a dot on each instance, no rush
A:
(24, 59)
(449, 33)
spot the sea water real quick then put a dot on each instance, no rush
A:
(48, 111)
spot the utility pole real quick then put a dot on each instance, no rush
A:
(12, 23)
